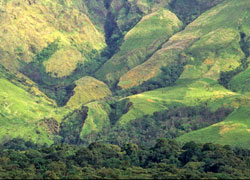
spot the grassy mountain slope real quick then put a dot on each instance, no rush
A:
(59, 45)
(98, 118)
(139, 43)
(241, 82)
(184, 93)
(63, 62)
(23, 115)
(88, 89)
(52, 43)
(27, 28)
(189, 10)
(235, 130)
(215, 48)
(207, 44)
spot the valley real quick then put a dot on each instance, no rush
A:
(118, 71)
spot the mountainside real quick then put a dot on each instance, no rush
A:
(139, 43)
(27, 27)
(120, 71)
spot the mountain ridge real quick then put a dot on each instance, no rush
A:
(90, 67)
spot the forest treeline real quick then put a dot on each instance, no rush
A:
(165, 160)
(170, 123)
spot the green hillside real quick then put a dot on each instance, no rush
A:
(116, 89)
(24, 115)
(205, 93)
(187, 93)
(233, 130)
(120, 71)
(98, 118)
(140, 43)
(209, 45)
(88, 89)
(29, 26)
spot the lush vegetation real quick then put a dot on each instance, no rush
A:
(227, 76)
(61, 88)
(169, 75)
(165, 160)
(139, 44)
(50, 85)
(30, 107)
(71, 126)
(162, 59)
(144, 131)
(234, 130)
(188, 10)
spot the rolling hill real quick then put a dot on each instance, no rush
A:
(125, 71)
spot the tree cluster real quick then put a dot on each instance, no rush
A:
(170, 123)
(165, 160)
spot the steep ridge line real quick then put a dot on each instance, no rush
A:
(67, 89)
(176, 68)
(140, 43)
(136, 72)
(61, 88)
(117, 87)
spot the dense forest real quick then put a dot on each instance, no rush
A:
(165, 160)
(171, 123)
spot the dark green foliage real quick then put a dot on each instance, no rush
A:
(226, 76)
(51, 86)
(245, 44)
(107, 3)
(192, 152)
(61, 89)
(114, 34)
(47, 52)
(18, 144)
(170, 123)
(72, 124)
(165, 160)
(188, 10)
(118, 109)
